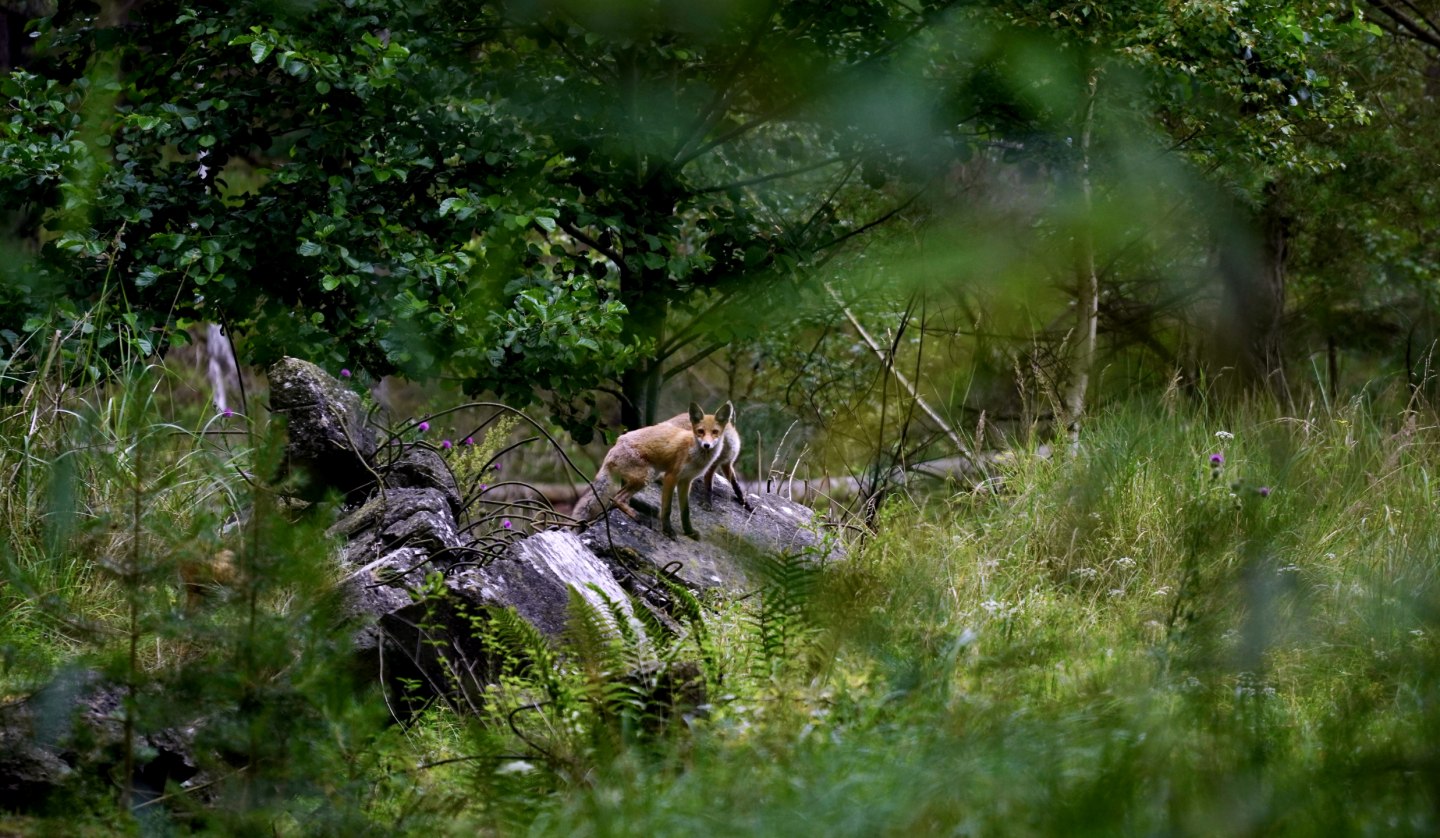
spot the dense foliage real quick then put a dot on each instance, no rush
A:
(574, 199)
(517, 197)
(892, 233)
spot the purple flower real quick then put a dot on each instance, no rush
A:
(345, 373)
(469, 440)
(483, 487)
(445, 443)
(505, 523)
(496, 466)
(1217, 459)
(1264, 491)
(424, 426)
(228, 413)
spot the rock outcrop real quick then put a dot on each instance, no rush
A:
(423, 589)
(422, 586)
(329, 443)
(74, 729)
(722, 559)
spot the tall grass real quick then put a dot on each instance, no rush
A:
(147, 550)
(1132, 637)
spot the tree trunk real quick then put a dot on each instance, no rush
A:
(1252, 266)
(1269, 338)
(7, 60)
(640, 385)
(1087, 300)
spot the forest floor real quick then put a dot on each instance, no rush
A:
(1202, 621)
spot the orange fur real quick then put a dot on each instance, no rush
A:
(729, 453)
(677, 453)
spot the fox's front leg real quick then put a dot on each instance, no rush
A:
(710, 484)
(667, 491)
(685, 511)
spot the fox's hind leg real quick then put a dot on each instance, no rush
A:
(734, 484)
(623, 495)
(628, 481)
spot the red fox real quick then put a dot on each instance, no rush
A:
(679, 453)
(729, 453)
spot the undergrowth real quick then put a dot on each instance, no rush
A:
(1199, 622)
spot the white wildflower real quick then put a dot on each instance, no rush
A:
(1224, 435)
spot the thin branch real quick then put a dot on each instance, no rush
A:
(593, 244)
(704, 122)
(755, 181)
(674, 346)
(1416, 31)
(1420, 13)
(739, 131)
(828, 200)
(797, 100)
(875, 223)
(692, 361)
(685, 336)
(899, 376)
(579, 62)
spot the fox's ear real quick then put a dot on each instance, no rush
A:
(725, 414)
(696, 414)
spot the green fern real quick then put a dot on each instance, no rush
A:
(783, 626)
(590, 637)
(522, 651)
(691, 612)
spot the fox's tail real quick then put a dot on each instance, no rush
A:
(589, 508)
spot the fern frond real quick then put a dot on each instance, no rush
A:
(784, 622)
(523, 650)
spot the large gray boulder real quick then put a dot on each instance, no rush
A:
(392, 543)
(419, 467)
(731, 538)
(329, 444)
(535, 577)
(400, 532)
(72, 731)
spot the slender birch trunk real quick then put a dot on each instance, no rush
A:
(1087, 303)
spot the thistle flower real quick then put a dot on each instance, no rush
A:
(228, 413)
(445, 444)
(469, 440)
(424, 426)
(505, 523)
(483, 487)
(1263, 491)
(344, 373)
(1217, 459)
